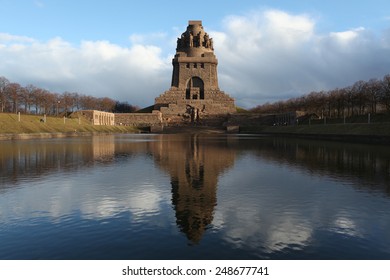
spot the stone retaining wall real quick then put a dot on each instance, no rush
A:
(139, 119)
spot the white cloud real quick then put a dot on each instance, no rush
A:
(5, 37)
(291, 29)
(136, 74)
(263, 56)
(346, 36)
(269, 55)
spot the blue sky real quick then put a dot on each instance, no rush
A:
(116, 20)
(267, 50)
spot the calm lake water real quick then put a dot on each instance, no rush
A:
(193, 197)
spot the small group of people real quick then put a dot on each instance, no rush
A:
(194, 113)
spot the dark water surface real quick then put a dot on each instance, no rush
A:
(193, 197)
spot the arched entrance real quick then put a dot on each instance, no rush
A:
(195, 88)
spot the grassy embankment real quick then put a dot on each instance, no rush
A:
(359, 132)
(31, 124)
(338, 129)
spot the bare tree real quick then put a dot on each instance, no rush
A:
(13, 94)
(28, 97)
(67, 101)
(75, 101)
(360, 96)
(373, 91)
(48, 103)
(106, 104)
(385, 93)
(3, 95)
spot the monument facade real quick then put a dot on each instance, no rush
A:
(194, 95)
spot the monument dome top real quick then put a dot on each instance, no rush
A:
(194, 41)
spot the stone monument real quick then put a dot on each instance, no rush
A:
(194, 96)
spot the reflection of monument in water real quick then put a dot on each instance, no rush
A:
(194, 166)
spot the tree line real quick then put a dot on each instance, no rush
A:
(30, 99)
(361, 98)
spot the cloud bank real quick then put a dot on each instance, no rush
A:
(271, 55)
(263, 56)
(99, 68)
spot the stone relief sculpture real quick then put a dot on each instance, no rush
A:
(206, 41)
(189, 40)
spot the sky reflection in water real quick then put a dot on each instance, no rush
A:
(193, 197)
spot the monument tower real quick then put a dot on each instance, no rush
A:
(194, 95)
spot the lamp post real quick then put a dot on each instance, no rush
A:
(58, 104)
